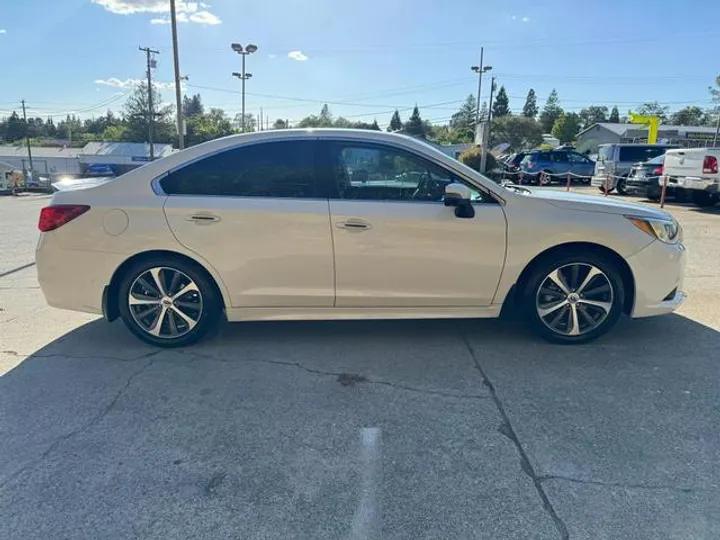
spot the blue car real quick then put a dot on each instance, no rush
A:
(555, 164)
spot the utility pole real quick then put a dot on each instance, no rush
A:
(243, 51)
(486, 130)
(151, 115)
(27, 138)
(178, 96)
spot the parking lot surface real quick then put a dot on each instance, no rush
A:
(359, 430)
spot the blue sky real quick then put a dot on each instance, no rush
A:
(364, 58)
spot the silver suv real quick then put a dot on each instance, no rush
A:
(616, 159)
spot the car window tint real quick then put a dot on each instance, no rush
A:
(272, 169)
(640, 153)
(380, 173)
(559, 157)
(577, 158)
(543, 156)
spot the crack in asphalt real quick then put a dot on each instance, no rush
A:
(27, 356)
(623, 485)
(94, 420)
(362, 379)
(508, 431)
(13, 270)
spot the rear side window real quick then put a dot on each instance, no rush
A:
(272, 169)
(543, 156)
(640, 153)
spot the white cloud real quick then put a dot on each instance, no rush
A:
(201, 17)
(3, 31)
(297, 55)
(271, 56)
(526, 19)
(186, 11)
(131, 83)
(514, 17)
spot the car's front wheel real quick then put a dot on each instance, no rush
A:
(168, 302)
(573, 298)
(703, 198)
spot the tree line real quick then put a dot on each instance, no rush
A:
(522, 130)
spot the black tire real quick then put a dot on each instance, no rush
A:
(529, 300)
(603, 190)
(654, 194)
(620, 186)
(208, 314)
(547, 174)
(703, 199)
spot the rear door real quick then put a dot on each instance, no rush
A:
(253, 213)
(396, 243)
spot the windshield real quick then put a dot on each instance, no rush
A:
(605, 153)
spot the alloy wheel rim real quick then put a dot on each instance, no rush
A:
(165, 302)
(574, 299)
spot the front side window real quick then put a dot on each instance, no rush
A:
(577, 158)
(380, 173)
(271, 169)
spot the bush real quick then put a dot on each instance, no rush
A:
(473, 156)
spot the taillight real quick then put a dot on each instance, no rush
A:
(54, 217)
(710, 165)
(658, 170)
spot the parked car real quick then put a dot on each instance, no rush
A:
(696, 171)
(643, 179)
(616, 159)
(555, 164)
(270, 226)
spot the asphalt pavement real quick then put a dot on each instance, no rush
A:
(358, 430)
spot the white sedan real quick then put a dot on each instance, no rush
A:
(345, 224)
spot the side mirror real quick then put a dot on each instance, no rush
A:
(459, 195)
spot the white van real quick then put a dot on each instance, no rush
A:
(616, 159)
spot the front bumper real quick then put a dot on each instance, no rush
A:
(603, 181)
(659, 270)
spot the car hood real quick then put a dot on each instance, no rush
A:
(594, 203)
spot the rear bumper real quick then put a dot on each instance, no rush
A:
(700, 184)
(603, 181)
(73, 279)
(659, 270)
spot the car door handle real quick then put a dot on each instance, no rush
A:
(202, 219)
(354, 224)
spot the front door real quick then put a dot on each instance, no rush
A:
(253, 214)
(396, 243)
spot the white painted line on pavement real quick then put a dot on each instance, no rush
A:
(367, 522)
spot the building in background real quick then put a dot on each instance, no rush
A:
(118, 157)
(587, 140)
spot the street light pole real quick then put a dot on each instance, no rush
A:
(486, 130)
(178, 96)
(479, 72)
(243, 76)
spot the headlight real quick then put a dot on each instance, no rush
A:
(665, 230)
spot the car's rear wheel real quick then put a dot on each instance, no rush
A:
(573, 298)
(703, 198)
(545, 178)
(168, 302)
(603, 189)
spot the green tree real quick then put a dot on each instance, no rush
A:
(135, 114)
(472, 157)
(279, 124)
(415, 125)
(519, 131)
(653, 108)
(530, 110)
(193, 106)
(551, 112)
(614, 115)
(592, 115)
(463, 121)
(206, 127)
(374, 126)
(395, 122)
(567, 127)
(501, 107)
(326, 119)
(50, 128)
(250, 122)
(690, 116)
(116, 133)
(15, 128)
